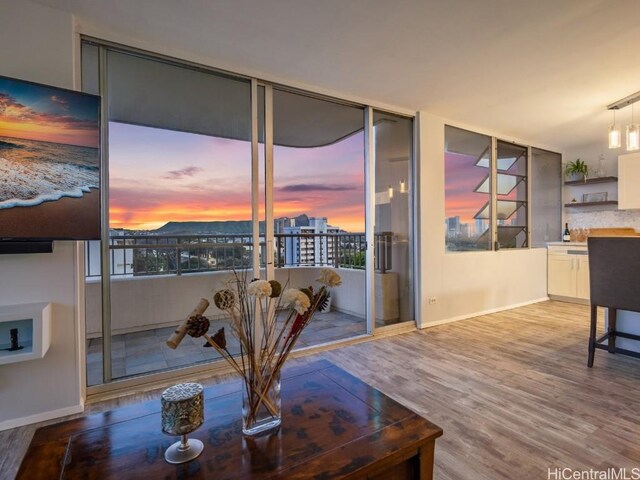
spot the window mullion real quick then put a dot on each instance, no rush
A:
(493, 218)
(528, 180)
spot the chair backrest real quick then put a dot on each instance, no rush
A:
(614, 272)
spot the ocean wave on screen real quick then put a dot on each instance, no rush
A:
(44, 198)
(42, 172)
(5, 144)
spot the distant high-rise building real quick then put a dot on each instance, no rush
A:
(453, 226)
(281, 223)
(310, 245)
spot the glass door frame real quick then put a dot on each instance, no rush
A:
(369, 169)
(413, 218)
(369, 213)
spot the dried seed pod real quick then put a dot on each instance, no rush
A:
(197, 325)
(224, 299)
(219, 339)
(276, 288)
(308, 292)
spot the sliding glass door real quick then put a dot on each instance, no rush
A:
(393, 219)
(319, 206)
(179, 207)
(207, 173)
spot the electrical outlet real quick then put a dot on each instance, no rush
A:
(432, 300)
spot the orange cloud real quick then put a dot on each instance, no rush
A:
(20, 121)
(150, 217)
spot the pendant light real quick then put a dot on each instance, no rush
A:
(632, 130)
(633, 134)
(614, 133)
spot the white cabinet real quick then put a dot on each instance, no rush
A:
(568, 272)
(628, 181)
(582, 277)
(562, 277)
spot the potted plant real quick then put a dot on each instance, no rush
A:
(576, 170)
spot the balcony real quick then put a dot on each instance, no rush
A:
(157, 280)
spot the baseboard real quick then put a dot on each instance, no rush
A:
(560, 298)
(41, 417)
(484, 312)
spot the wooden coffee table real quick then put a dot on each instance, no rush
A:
(333, 426)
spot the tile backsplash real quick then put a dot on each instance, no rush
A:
(604, 219)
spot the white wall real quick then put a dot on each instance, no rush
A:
(467, 283)
(36, 44)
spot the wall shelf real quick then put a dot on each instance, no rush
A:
(591, 181)
(33, 324)
(590, 204)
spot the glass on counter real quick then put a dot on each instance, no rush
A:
(582, 235)
(578, 235)
(573, 235)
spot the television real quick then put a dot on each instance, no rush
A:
(49, 165)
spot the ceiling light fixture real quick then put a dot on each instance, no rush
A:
(633, 137)
(633, 134)
(614, 133)
(633, 130)
(402, 186)
(625, 102)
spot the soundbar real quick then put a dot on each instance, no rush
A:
(12, 246)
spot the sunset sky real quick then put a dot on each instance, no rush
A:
(157, 176)
(36, 112)
(461, 177)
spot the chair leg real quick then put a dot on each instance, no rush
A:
(592, 335)
(613, 313)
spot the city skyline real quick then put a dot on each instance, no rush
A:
(462, 176)
(189, 177)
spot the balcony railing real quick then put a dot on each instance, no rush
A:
(182, 254)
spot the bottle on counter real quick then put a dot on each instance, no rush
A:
(566, 236)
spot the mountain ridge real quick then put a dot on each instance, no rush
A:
(218, 227)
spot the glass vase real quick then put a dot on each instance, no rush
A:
(601, 172)
(261, 405)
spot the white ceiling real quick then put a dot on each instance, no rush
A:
(541, 70)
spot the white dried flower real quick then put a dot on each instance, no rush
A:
(259, 288)
(297, 299)
(329, 278)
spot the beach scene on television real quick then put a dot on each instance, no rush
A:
(49, 162)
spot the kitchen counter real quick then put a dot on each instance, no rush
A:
(566, 244)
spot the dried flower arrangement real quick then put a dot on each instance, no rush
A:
(267, 320)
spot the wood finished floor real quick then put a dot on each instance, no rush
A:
(511, 391)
